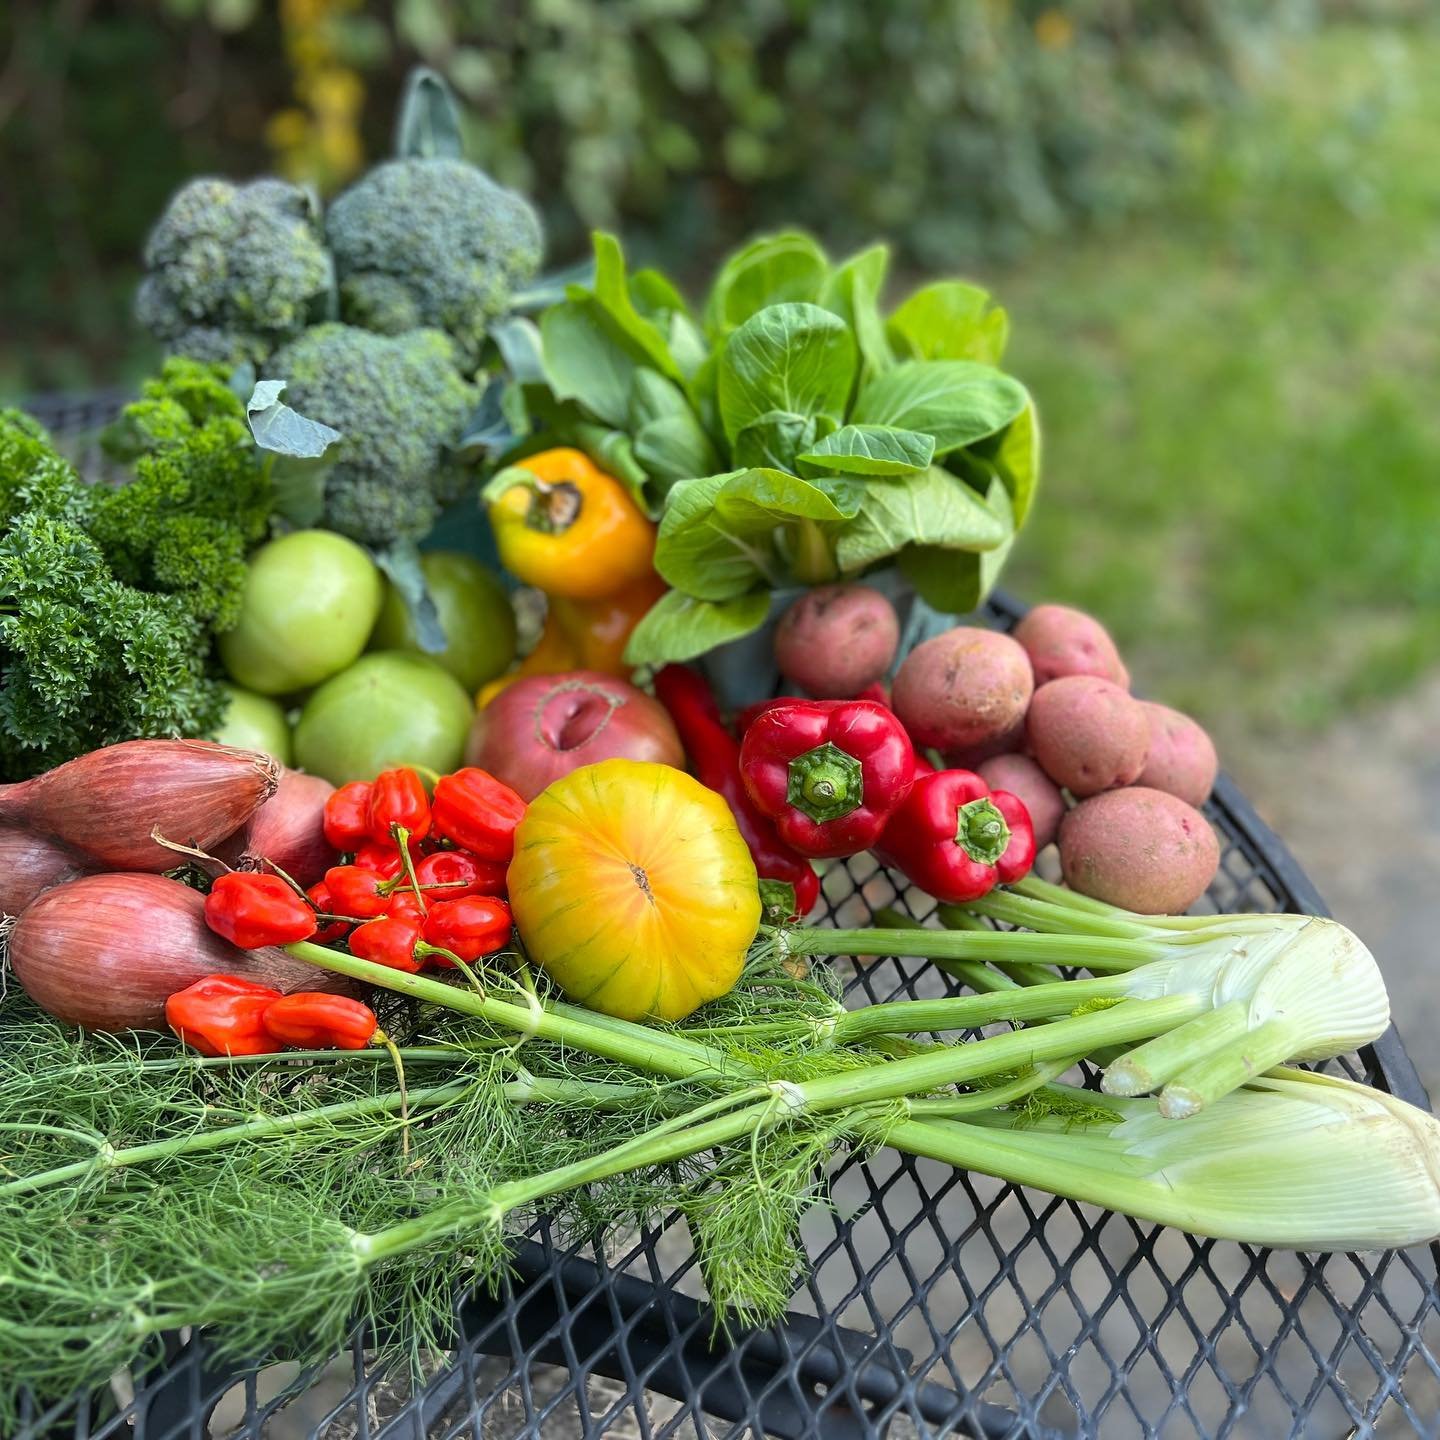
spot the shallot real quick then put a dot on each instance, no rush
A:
(29, 865)
(287, 833)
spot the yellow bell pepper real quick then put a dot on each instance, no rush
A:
(584, 635)
(633, 889)
(565, 526)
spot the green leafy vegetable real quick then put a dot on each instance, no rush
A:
(680, 626)
(110, 596)
(800, 436)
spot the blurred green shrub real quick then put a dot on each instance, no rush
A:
(954, 126)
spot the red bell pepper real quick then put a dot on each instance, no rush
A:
(470, 927)
(398, 800)
(312, 1020)
(449, 874)
(478, 812)
(355, 892)
(390, 940)
(222, 1015)
(789, 886)
(319, 896)
(957, 839)
(253, 910)
(829, 772)
(347, 817)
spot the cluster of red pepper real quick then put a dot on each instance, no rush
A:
(829, 778)
(422, 882)
(229, 1015)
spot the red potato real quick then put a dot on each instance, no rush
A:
(836, 640)
(965, 693)
(1061, 641)
(1021, 776)
(1181, 759)
(1139, 848)
(1088, 734)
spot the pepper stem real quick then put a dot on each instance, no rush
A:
(554, 508)
(826, 783)
(981, 831)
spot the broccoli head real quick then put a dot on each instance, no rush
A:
(432, 242)
(234, 270)
(398, 403)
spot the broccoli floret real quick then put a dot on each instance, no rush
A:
(432, 242)
(398, 403)
(234, 270)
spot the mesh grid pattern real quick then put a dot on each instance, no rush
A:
(933, 1302)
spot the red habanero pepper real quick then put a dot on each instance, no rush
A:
(253, 910)
(355, 892)
(347, 817)
(449, 874)
(397, 798)
(478, 812)
(471, 927)
(221, 1015)
(319, 896)
(789, 886)
(383, 859)
(403, 905)
(390, 940)
(828, 772)
(311, 1020)
(957, 839)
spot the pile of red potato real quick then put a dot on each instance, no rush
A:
(1045, 712)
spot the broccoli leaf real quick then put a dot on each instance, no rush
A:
(401, 563)
(429, 126)
(278, 428)
(680, 627)
(956, 401)
(872, 450)
(932, 508)
(794, 358)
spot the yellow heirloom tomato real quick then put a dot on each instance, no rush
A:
(632, 888)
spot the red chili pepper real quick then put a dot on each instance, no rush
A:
(876, 692)
(389, 940)
(828, 772)
(922, 766)
(397, 797)
(478, 812)
(356, 892)
(383, 858)
(320, 897)
(402, 905)
(221, 1015)
(459, 873)
(715, 758)
(347, 817)
(470, 927)
(957, 839)
(253, 910)
(311, 1020)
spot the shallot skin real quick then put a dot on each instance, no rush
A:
(287, 833)
(107, 805)
(107, 951)
(30, 865)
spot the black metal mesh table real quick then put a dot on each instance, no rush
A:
(932, 1302)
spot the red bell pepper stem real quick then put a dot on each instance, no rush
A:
(715, 758)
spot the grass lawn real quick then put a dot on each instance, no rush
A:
(1242, 399)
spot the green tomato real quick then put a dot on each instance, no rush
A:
(475, 615)
(389, 708)
(310, 603)
(253, 722)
